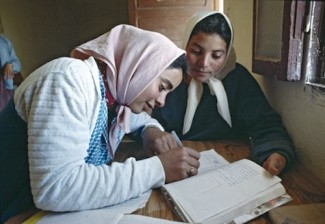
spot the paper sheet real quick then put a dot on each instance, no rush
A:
(139, 219)
(211, 160)
(96, 215)
(103, 217)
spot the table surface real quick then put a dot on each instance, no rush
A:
(301, 184)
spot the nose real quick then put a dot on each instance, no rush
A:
(160, 101)
(203, 60)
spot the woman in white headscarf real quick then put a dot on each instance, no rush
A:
(67, 118)
(221, 99)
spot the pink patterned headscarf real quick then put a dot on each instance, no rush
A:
(134, 58)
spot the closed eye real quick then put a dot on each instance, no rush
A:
(196, 51)
(165, 85)
(218, 54)
(162, 88)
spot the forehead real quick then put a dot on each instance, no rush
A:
(172, 77)
(207, 41)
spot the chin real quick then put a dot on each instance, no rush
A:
(148, 111)
(135, 110)
(201, 79)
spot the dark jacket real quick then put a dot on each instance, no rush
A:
(251, 114)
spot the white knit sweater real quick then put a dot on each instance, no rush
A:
(60, 102)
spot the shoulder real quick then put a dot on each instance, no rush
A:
(66, 74)
(65, 68)
(63, 64)
(240, 72)
(240, 75)
(60, 80)
(4, 40)
(240, 82)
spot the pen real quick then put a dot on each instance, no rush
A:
(178, 141)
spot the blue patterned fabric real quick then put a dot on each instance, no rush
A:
(98, 152)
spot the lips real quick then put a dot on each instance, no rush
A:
(201, 73)
(148, 108)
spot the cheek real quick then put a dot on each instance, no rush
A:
(217, 65)
(191, 59)
(148, 94)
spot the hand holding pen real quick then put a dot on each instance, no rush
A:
(178, 141)
(178, 162)
(192, 170)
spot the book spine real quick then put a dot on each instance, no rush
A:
(173, 205)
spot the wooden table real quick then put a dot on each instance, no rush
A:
(301, 184)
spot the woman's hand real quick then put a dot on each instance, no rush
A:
(275, 163)
(156, 141)
(8, 71)
(180, 163)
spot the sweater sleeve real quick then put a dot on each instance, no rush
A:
(261, 122)
(58, 102)
(140, 122)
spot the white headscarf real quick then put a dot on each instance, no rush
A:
(134, 59)
(195, 89)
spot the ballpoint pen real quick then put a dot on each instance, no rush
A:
(178, 141)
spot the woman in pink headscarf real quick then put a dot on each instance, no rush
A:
(70, 115)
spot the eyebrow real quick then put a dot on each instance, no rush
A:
(214, 51)
(169, 84)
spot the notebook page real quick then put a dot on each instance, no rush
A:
(211, 160)
(140, 219)
(211, 193)
(251, 204)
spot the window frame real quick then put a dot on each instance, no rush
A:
(315, 44)
(288, 66)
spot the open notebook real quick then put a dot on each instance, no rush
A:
(225, 192)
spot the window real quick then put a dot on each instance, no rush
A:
(278, 38)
